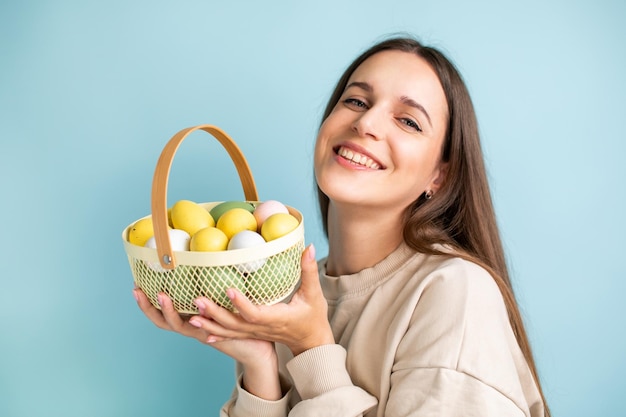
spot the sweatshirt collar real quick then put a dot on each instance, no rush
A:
(354, 284)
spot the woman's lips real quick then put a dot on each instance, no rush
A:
(356, 157)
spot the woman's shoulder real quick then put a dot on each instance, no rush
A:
(456, 269)
(456, 283)
(450, 268)
(457, 325)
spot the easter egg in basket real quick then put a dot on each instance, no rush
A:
(214, 281)
(209, 239)
(221, 208)
(278, 275)
(180, 284)
(189, 216)
(247, 239)
(265, 209)
(141, 231)
(179, 240)
(278, 225)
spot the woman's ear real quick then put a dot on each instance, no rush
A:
(440, 176)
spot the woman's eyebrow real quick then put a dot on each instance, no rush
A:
(362, 85)
(404, 99)
(410, 102)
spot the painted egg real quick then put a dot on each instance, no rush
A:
(266, 209)
(247, 239)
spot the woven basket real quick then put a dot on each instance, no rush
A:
(186, 275)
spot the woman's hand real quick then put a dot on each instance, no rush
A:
(300, 325)
(258, 357)
(169, 319)
(248, 336)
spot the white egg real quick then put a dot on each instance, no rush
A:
(179, 241)
(247, 239)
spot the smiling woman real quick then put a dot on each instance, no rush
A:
(378, 118)
(417, 319)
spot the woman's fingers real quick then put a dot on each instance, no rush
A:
(171, 316)
(213, 332)
(226, 323)
(206, 329)
(248, 311)
(153, 314)
(310, 284)
(167, 318)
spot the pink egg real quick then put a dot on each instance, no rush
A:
(266, 209)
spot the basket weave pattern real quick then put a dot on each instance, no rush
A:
(269, 284)
(266, 274)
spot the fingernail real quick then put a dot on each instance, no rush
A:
(160, 299)
(135, 295)
(211, 339)
(200, 304)
(195, 322)
(230, 293)
(311, 252)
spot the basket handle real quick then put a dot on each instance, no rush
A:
(159, 185)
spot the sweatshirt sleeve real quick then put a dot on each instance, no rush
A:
(322, 380)
(244, 404)
(445, 392)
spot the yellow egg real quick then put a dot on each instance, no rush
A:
(235, 220)
(209, 239)
(141, 231)
(190, 216)
(278, 225)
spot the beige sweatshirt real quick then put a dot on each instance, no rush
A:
(416, 336)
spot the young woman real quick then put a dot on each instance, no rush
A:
(412, 312)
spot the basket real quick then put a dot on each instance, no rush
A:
(186, 275)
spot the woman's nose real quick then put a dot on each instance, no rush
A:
(368, 124)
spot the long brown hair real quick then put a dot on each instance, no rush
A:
(461, 214)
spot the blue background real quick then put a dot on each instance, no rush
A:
(91, 91)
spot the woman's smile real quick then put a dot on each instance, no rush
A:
(356, 158)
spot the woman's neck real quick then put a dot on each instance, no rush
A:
(359, 239)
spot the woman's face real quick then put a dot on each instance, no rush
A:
(381, 145)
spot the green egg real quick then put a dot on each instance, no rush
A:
(275, 278)
(181, 286)
(214, 281)
(222, 208)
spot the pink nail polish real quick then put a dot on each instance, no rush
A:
(135, 295)
(201, 306)
(195, 323)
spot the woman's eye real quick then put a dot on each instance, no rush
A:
(355, 102)
(411, 124)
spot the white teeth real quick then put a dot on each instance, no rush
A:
(357, 158)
